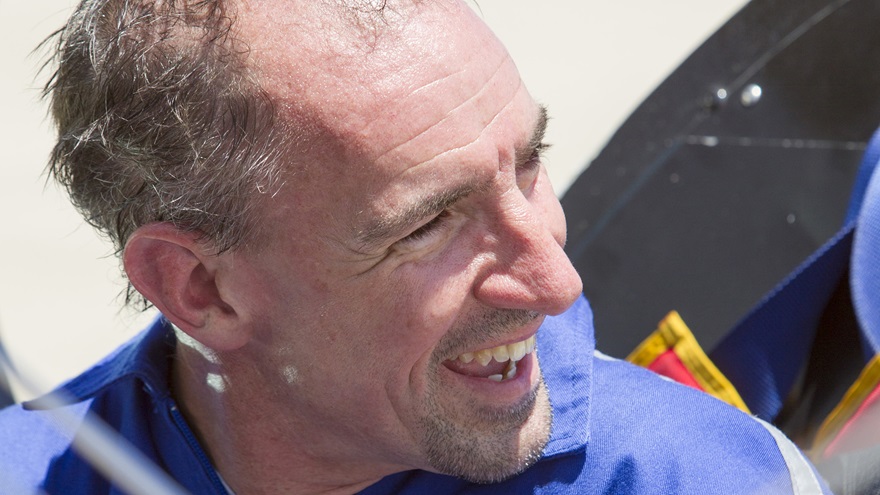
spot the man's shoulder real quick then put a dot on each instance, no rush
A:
(38, 437)
(649, 428)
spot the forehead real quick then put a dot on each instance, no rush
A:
(423, 99)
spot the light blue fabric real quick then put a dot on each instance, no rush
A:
(870, 158)
(865, 265)
(617, 429)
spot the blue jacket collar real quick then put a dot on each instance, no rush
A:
(145, 358)
(565, 347)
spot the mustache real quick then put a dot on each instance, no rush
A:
(487, 325)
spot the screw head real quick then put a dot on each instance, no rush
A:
(751, 95)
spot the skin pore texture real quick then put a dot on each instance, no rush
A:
(415, 224)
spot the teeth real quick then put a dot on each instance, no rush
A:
(510, 372)
(483, 356)
(501, 353)
(510, 354)
(517, 351)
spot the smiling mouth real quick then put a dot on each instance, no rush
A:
(497, 363)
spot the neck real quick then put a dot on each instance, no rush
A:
(257, 447)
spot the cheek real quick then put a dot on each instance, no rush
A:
(432, 295)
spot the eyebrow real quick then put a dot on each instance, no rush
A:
(536, 141)
(396, 223)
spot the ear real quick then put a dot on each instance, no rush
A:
(178, 274)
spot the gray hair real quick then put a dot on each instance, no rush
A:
(159, 120)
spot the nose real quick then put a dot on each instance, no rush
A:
(526, 266)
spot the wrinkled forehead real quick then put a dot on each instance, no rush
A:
(383, 82)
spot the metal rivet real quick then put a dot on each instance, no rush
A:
(709, 141)
(751, 95)
(716, 99)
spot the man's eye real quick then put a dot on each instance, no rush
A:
(426, 232)
(528, 171)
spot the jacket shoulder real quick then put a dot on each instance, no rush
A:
(649, 428)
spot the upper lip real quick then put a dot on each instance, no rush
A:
(523, 333)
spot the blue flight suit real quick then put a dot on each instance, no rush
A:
(616, 429)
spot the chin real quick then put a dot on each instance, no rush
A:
(492, 446)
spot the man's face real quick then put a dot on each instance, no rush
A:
(419, 229)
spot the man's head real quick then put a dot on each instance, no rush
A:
(413, 227)
(160, 120)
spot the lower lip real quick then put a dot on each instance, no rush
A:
(508, 390)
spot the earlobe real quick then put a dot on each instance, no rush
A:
(175, 271)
